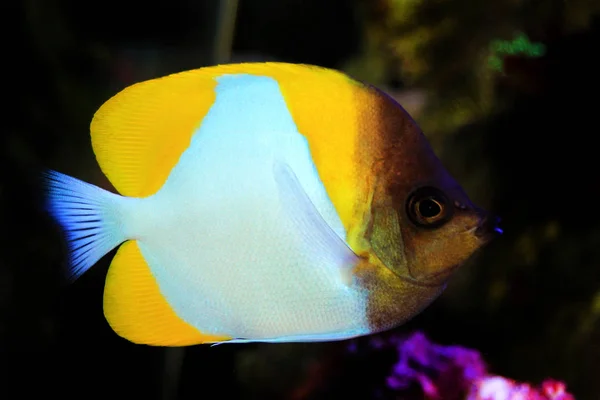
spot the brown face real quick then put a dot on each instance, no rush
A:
(421, 227)
(429, 223)
(440, 230)
(422, 232)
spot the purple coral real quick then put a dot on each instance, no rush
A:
(455, 373)
(435, 368)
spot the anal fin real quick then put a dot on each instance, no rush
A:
(137, 311)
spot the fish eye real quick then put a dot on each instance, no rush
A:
(428, 207)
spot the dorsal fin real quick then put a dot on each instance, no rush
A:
(139, 134)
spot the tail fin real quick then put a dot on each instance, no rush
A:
(88, 215)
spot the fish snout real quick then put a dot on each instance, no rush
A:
(488, 228)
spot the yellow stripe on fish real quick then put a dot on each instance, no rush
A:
(263, 202)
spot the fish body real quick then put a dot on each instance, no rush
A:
(263, 202)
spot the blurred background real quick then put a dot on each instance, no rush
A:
(517, 128)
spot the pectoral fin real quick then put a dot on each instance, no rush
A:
(328, 247)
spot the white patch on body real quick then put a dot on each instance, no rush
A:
(226, 253)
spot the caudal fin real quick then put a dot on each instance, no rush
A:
(89, 217)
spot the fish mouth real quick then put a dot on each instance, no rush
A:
(488, 229)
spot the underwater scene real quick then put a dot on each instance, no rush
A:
(300, 199)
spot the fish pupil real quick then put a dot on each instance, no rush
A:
(429, 208)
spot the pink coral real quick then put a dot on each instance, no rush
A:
(500, 388)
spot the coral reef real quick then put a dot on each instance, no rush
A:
(431, 371)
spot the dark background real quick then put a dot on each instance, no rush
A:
(523, 143)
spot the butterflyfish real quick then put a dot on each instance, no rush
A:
(267, 202)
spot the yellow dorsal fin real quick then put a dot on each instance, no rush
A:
(139, 134)
(135, 308)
